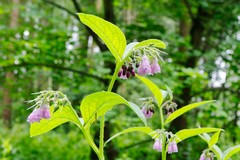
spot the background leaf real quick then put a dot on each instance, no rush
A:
(183, 110)
(108, 32)
(62, 115)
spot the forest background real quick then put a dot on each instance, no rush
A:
(43, 46)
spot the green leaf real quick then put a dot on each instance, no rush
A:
(129, 49)
(217, 151)
(184, 109)
(170, 93)
(138, 111)
(230, 152)
(214, 139)
(97, 104)
(187, 133)
(111, 35)
(62, 115)
(153, 88)
(152, 42)
(145, 130)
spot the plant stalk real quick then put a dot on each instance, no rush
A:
(102, 122)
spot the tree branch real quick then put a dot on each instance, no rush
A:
(188, 6)
(95, 37)
(62, 8)
(55, 67)
(78, 9)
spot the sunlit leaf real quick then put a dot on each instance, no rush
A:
(145, 130)
(97, 104)
(153, 88)
(111, 35)
(152, 42)
(187, 133)
(217, 151)
(184, 109)
(230, 152)
(62, 115)
(128, 49)
(214, 139)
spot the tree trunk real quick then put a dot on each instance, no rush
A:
(9, 77)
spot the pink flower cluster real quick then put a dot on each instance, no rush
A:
(43, 112)
(172, 146)
(145, 67)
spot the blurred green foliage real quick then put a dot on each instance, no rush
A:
(44, 46)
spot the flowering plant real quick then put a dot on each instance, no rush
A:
(137, 59)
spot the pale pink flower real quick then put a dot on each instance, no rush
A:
(43, 112)
(144, 67)
(155, 68)
(147, 112)
(172, 147)
(157, 145)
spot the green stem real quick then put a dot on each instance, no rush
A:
(164, 137)
(91, 142)
(85, 132)
(102, 122)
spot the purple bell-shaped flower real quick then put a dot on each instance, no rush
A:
(155, 68)
(172, 147)
(144, 67)
(157, 145)
(147, 112)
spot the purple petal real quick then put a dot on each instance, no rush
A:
(157, 146)
(144, 67)
(146, 112)
(155, 68)
(35, 116)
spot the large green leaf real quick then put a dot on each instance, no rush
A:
(152, 42)
(145, 130)
(153, 88)
(187, 133)
(111, 35)
(97, 104)
(62, 115)
(184, 109)
(230, 152)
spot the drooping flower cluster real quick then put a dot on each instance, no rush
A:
(170, 139)
(158, 145)
(42, 105)
(143, 60)
(148, 107)
(170, 107)
(207, 155)
(172, 147)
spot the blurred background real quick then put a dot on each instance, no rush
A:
(43, 46)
